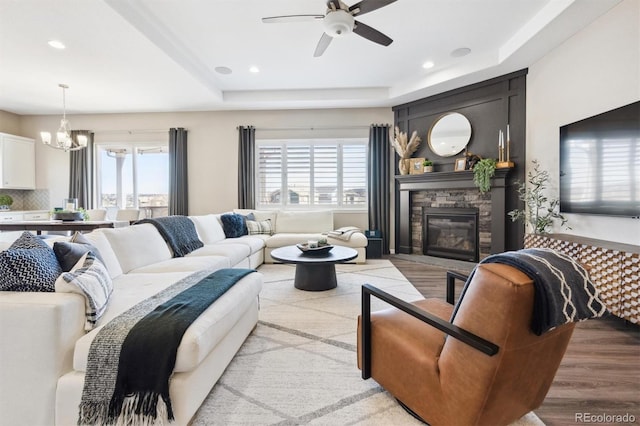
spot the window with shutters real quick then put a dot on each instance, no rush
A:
(304, 173)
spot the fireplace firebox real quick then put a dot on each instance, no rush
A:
(451, 233)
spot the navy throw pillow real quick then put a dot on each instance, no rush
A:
(28, 265)
(234, 225)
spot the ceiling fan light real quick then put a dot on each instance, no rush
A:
(338, 23)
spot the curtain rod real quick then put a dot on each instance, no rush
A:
(131, 132)
(269, 129)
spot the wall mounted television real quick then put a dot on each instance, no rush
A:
(600, 164)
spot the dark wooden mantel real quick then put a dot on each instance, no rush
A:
(406, 184)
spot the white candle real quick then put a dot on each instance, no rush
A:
(508, 138)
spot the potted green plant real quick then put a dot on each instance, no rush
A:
(540, 211)
(483, 171)
(428, 165)
(5, 201)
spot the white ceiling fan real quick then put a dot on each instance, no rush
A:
(339, 21)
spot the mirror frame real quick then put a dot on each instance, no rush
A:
(461, 141)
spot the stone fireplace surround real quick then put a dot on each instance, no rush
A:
(450, 189)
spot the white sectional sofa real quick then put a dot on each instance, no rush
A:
(43, 356)
(293, 227)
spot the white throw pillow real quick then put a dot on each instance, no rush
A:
(90, 279)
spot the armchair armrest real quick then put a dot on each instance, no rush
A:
(451, 285)
(461, 334)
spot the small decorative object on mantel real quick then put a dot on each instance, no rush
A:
(5, 202)
(404, 148)
(416, 167)
(427, 165)
(483, 171)
(460, 164)
(541, 211)
(504, 150)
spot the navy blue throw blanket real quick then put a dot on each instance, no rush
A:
(563, 291)
(148, 354)
(178, 231)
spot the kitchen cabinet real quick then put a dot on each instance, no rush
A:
(17, 162)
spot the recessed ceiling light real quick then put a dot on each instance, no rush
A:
(428, 64)
(56, 44)
(463, 51)
(223, 70)
(254, 69)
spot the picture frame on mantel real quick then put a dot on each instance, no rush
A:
(460, 164)
(415, 166)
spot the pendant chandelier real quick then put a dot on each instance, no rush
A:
(63, 139)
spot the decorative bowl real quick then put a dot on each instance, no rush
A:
(68, 216)
(320, 250)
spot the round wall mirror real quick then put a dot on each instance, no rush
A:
(450, 134)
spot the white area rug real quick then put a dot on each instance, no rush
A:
(299, 364)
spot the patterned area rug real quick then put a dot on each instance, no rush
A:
(299, 364)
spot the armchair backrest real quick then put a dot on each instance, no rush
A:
(498, 306)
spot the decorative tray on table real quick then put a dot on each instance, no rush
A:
(68, 216)
(316, 251)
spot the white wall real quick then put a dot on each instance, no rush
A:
(596, 70)
(212, 145)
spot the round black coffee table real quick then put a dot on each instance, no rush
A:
(314, 272)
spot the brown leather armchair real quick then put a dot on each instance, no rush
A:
(485, 368)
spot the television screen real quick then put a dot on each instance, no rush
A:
(600, 164)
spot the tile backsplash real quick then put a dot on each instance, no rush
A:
(37, 199)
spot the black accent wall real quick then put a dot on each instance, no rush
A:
(489, 106)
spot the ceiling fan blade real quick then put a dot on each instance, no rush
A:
(371, 34)
(366, 6)
(324, 42)
(291, 18)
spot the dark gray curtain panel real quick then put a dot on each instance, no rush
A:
(178, 177)
(378, 182)
(81, 171)
(246, 167)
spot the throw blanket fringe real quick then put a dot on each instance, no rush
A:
(132, 357)
(178, 231)
(563, 291)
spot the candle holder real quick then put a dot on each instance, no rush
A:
(504, 160)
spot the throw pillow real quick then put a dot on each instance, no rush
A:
(78, 237)
(234, 225)
(90, 279)
(29, 264)
(69, 252)
(261, 227)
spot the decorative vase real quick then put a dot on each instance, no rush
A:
(403, 166)
(428, 169)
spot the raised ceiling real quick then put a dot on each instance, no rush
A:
(161, 55)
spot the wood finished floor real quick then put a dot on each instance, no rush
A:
(599, 374)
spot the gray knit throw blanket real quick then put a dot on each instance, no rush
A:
(102, 378)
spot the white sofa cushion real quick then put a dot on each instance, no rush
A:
(236, 253)
(254, 242)
(201, 336)
(307, 222)
(357, 240)
(209, 228)
(100, 242)
(185, 264)
(137, 246)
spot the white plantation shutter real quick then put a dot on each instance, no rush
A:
(312, 173)
(270, 171)
(354, 175)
